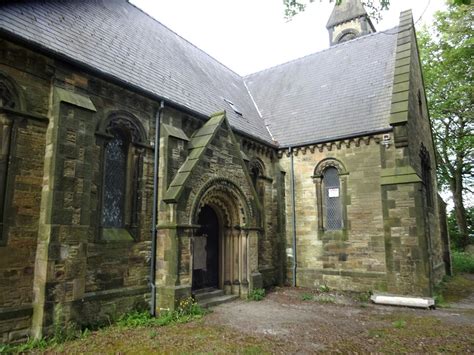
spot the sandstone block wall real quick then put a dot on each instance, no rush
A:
(29, 75)
(353, 258)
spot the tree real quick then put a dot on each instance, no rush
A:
(454, 234)
(446, 54)
(374, 7)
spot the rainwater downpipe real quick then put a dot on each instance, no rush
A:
(293, 208)
(154, 218)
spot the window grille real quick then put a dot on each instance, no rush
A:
(114, 182)
(332, 198)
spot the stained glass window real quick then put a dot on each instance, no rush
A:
(114, 182)
(332, 197)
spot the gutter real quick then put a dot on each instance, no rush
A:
(293, 208)
(337, 138)
(154, 218)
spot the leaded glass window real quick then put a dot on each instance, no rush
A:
(115, 179)
(8, 100)
(332, 199)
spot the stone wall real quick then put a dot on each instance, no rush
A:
(420, 261)
(29, 75)
(78, 276)
(420, 133)
(354, 257)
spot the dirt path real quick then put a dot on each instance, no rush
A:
(299, 324)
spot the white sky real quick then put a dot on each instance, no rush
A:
(251, 35)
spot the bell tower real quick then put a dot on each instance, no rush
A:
(348, 20)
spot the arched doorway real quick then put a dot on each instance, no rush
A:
(206, 256)
(222, 214)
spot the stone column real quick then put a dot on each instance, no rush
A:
(255, 276)
(245, 264)
(235, 261)
(227, 261)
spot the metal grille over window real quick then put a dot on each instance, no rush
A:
(332, 197)
(114, 182)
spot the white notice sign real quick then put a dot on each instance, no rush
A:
(333, 192)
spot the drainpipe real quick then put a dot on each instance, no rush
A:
(293, 208)
(154, 218)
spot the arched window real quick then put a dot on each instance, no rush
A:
(9, 100)
(123, 139)
(115, 178)
(426, 175)
(332, 199)
(257, 173)
(330, 178)
(346, 35)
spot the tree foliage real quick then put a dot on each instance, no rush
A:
(446, 52)
(374, 7)
(454, 233)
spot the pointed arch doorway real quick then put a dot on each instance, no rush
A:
(206, 253)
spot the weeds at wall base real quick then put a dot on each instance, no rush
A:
(187, 311)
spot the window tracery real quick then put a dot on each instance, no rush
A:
(122, 138)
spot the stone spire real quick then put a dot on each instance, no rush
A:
(348, 21)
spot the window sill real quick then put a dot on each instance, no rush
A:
(116, 235)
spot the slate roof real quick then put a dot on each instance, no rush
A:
(346, 11)
(342, 91)
(339, 92)
(115, 37)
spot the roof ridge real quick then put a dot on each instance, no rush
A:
(186, 40)
(319, 52)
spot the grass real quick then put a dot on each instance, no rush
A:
(325, 299)
(404, 332)
(399, 324)
(453, 289)
(462, 262)
(187, 311)
(306, 297)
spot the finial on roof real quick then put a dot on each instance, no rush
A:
(348, 20)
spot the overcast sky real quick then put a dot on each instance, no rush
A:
(251, 35)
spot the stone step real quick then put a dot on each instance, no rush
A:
(204, 290)
(212, 302)
(212, 293)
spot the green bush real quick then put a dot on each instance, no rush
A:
(307, 297)
(257, 294)
(364, 297)
(462, 262)
(324, 288)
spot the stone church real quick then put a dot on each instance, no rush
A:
(136, 170)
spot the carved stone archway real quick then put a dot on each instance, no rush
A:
(235, 214)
